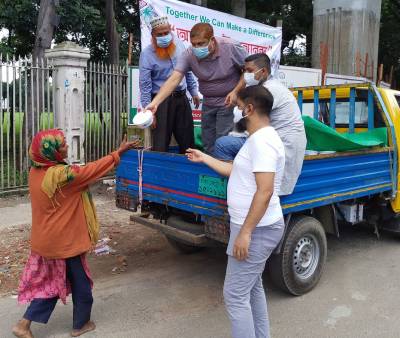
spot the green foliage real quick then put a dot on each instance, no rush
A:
(19, 17)
(297, 16)
(83, 21)
(389, 40)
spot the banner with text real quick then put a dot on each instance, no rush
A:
(254, 36)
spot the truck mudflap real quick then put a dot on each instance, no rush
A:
(195, 238)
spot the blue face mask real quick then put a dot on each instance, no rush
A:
(201, 52)
(164, 41)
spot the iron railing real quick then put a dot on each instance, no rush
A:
(27, 106)
(26, 96)
(105, 108)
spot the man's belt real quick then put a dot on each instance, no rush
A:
(178, 93)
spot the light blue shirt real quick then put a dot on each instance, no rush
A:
(153, 72)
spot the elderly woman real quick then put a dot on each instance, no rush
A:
(64, 229)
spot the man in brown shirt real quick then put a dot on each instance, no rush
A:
(217, 63)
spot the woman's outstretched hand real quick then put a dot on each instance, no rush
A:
(125, 145)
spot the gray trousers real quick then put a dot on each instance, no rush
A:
(215, 122)
(244, 293)
(295, 147)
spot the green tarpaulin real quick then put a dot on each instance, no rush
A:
(321, 137)
(197, 138)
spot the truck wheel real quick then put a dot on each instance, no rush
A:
(298, 268)
(183, 247)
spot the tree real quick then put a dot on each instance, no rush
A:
(239, 8)
(296, 15)
(46, 23)
(389, 40)
(84, 21)
(19, 18)
(112, 34)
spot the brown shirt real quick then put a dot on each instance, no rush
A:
(60, 231)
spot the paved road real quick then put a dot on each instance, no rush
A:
(15, 215)
(20, 214)
(173, 295)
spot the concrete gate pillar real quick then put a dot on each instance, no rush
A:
(69, 61)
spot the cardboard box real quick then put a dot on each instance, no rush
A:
(143, 134)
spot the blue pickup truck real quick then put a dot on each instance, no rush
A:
(350, 184)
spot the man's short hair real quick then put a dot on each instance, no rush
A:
(202, 29)
(259, 96)
(261, 60)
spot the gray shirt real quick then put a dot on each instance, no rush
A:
(217, 74)
(286, 119)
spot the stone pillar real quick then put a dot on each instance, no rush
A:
(69, 61)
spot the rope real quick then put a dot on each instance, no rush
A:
(140, 171)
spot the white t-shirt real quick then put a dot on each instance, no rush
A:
(262, 152)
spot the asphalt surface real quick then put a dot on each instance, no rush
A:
(171, 295)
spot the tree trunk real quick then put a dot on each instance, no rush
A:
(239, 8)
(45, 28)
(46, 23)
(112, 35)
(199, 2)
(113, 40)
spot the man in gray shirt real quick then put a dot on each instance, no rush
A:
(218, 64)
(285, 118)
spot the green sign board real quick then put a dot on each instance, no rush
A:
(212, 186)
(133, 92)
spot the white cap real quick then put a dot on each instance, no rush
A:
(143, 120)
(159, 21)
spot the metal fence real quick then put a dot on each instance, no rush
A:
(27, 106)
(26, 96)
(105, 108)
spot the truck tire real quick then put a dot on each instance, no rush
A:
(298, 268)
(183, 247)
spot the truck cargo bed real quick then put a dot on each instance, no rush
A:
(173, 181)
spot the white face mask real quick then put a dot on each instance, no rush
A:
(237, 114)
(250, 78)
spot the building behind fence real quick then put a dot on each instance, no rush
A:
(29, 94)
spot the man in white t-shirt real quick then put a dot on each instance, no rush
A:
(256, 217)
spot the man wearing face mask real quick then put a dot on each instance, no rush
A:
(217, 63)
(285, 118)
(157, 62)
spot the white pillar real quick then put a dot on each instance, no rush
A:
(69, 61)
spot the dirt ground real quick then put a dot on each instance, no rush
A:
(130, 245)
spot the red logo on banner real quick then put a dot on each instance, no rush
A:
(196, 115)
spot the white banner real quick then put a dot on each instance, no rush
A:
(254, 36)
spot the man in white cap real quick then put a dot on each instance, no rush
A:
(157, 62)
